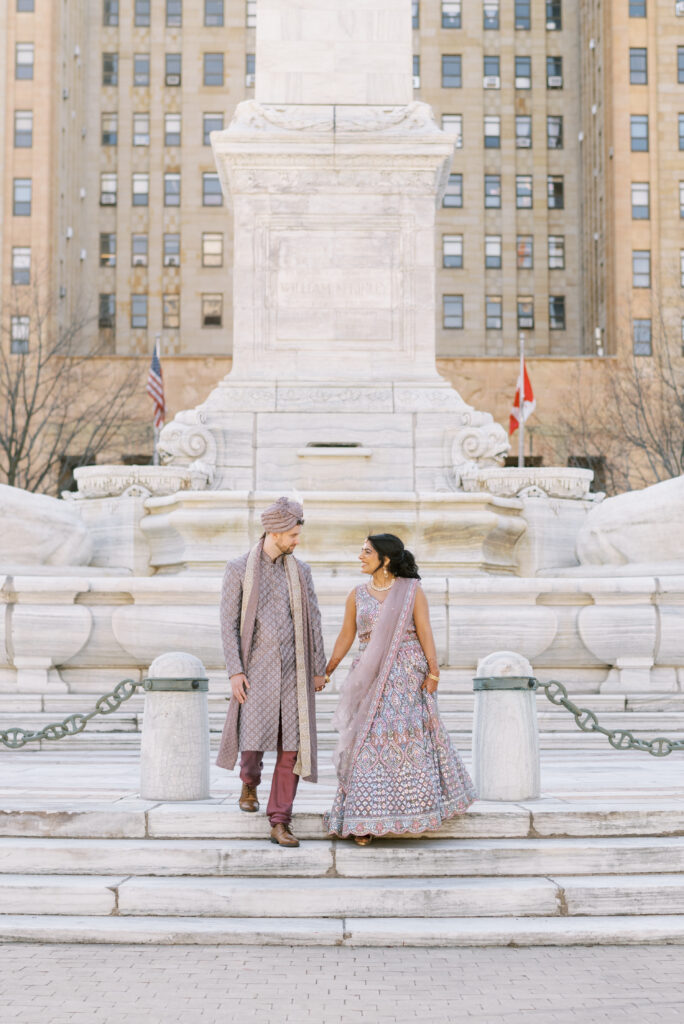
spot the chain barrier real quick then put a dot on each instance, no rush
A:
(72, 724)
(620, 739)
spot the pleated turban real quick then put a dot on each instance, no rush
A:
(282, 515)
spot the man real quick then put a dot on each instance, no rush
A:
(271, 631)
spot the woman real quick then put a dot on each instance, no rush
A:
(396, 767)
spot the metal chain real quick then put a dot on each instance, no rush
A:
(620, 739)
(72, 724)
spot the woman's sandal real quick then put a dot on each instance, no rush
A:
(363, 840)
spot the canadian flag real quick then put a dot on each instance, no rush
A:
(528, 402)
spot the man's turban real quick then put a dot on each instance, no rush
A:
(282, 515)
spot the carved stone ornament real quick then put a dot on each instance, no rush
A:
(189, 444)
(131, 481)
(251, 116)
(531, 481)
(477, 444)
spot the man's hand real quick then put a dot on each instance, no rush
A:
(239, 686)
(319, 683)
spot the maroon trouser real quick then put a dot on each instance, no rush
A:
(283, 786)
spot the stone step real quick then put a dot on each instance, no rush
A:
(389, 932)
(220, 819)
(342, 858)
(564, 895)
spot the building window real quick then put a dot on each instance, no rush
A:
(23, 129)
(139, 250)
(454, 191)
(141, 69)
(171, 312)
(108, 188)
(525, 313)
(172, 129)
(639, 133)
(110, 129)
(637, 8)
(554, 131)
(213, 69)
(641, 338)
(452, 312)
(172, 69)
(250, 70)
(212, 310)
(638, 73)
(523, 131)
(22, 197)
(172, 183)
(211, 189)
(24, 57)
(523, 72)
(493, 313)
(556, 252)
(523, 191)
(451, 13)
(680, 64)
(142, 13)
(171, 251)
(490, 14)
(26, 5)
(20, 327)
(493, 252)
(641, 268)
(251, 13)
(681, 198)
(138, 311)
(107, 249)
(641, 200)
(525, 252)
(682, 330)
(452, 251)
(415, 14)
(141, 129)
(554, 72)
(555, 192)
(110, 12)
(452, 124)
(212, 249)
(522, 14)
(110, 68)
(553, 15)
(492, 131)
(213, 12)
(141, 188)
(174, 13)
(491, 70)
(21, 265)
(416, 71)
(680, 128)
(556, 312)
(492, 191)
(681, 267)
(451, 71)
(211, 123)
(106, 310)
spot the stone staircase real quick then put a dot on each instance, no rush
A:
(646, 715)
(543, 872)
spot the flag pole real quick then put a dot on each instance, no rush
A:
(521, 411)
(155, 453)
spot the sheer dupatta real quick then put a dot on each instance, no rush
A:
(365, 683)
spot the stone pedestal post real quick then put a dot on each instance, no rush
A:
(174, 756)
(505, 733)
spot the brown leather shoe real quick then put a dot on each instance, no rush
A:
(282, 835)
(248, 798)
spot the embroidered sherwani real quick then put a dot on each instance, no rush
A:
(271, 672)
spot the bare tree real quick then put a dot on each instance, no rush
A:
(59, 395)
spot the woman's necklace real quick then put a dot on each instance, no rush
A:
(388, 587)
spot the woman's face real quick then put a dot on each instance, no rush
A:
(368, 557)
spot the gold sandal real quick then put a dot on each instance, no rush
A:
(363, 840)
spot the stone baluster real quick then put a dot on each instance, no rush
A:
(174, 755)
(505, 732)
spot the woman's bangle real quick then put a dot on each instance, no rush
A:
(327, 677)
(430, 676)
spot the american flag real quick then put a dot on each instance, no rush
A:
(155, 388)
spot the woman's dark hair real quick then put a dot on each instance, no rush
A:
(401, 561)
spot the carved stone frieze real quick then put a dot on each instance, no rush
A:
(279, 180)
(530, 481)
(131, 481)
(330, 399)
(251, 116)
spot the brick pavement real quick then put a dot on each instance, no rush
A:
(107, 984)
